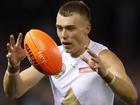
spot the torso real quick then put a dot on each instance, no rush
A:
(78, 84)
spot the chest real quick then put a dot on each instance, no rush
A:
(72, 77)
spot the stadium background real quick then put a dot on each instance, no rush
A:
(116, 24)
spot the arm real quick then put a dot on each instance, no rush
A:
(15, 83)
(109, 65)
(122, 85)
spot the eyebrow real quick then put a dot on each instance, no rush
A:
(58, 25)
(65, 26)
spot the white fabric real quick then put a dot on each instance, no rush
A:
(88, 87)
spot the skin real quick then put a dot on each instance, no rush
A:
(75, 31)
(71, 30)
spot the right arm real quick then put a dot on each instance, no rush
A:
(15, 83)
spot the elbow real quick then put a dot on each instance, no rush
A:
(131, 98)
(11, 95)
(134, 99)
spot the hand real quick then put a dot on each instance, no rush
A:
(95, 63)
(15, 52)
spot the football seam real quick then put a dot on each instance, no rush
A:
(51, 71)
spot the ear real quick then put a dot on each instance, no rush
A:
(88, 28)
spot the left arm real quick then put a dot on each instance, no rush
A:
(111, 69)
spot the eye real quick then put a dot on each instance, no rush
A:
(59, 28)
(71, 28)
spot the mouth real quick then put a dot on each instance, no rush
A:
(66, 44)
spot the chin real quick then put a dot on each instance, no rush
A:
(67, 50)
(71, 53)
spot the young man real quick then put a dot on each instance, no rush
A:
(92, 73)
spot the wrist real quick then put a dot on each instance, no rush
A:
(13, 69)
(109, 77)
(103, 73)
(113, 80)
(12, 74)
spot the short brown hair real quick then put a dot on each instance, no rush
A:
(71, 7)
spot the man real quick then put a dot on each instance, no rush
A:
(92, 73)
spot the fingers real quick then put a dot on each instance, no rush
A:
(19, 40)
(9, 51)
(8, 56)
(12, 40)
(91, 53)
(94, 61)
(84, 59)
(8, 47)
(91, 63)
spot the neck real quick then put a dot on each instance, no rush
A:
(82, 50)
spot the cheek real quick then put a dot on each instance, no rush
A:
(59, 34)
(78, 40)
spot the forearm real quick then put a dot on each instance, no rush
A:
(12, 84)
(124, 89)
(17, 84)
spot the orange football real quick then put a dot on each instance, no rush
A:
(42, 52)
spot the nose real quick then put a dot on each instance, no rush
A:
(64, 34)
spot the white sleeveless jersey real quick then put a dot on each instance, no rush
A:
(77, 84)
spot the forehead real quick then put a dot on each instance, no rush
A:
(74, 19)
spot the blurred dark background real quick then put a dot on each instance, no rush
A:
(115, 24)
